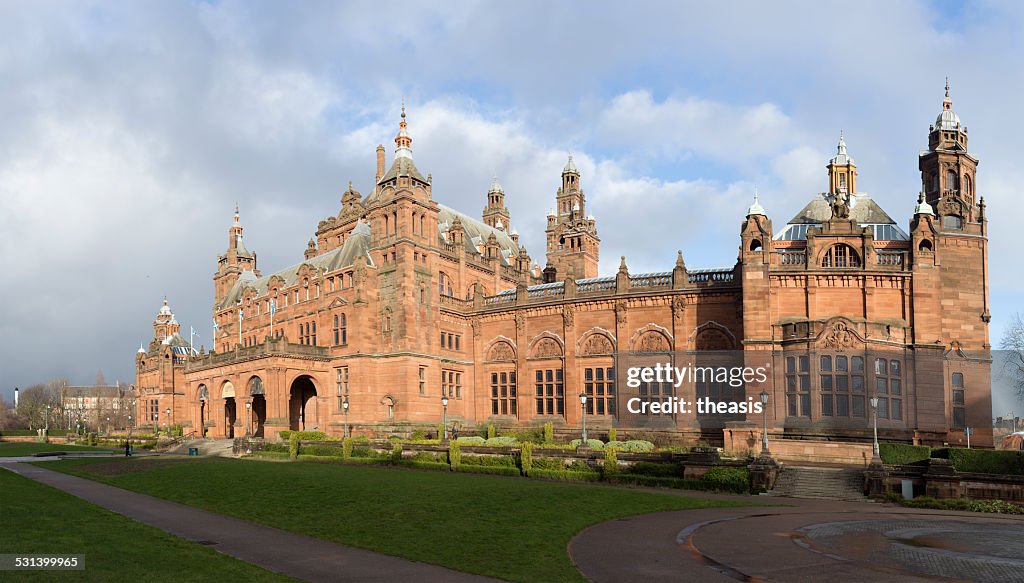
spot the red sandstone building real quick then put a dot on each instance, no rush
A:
(400, 300)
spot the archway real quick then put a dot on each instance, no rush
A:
(259, 405)
(302, 392)
(227, 392)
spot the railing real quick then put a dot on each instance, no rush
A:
(448, 248)
(891, 259)
(276, 346)
(651, 279)
(454, 301)
(792, 257)
(595, 284)
(174, 442)
(711, 276)
(546, 290)
(505, 298)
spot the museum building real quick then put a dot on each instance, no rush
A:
(400, 301)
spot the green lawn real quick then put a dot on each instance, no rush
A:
(35, 518)
(21, 448)
(511, 528)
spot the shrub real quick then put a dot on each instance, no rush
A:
(526, 458)
(501, 442)
(363, 452)
(487, 460)
(591, 443)
(728, 478)
(490, 431)
(426, 456)
(454, 456)
(545, 463)
(611, 462)
(612, 435)
(319, 458)
(440, 431)
(986, 461)
(657, 470)
(396, 453)
(346, 448)
(427, 465)
(304, 435)
(902, 454)
(549, 433)
(472, 440)
(638, 446)
(418, 435)
(293, 445)
(492, 470)
(580, 466)
(567, 475)
(271, 454)
(322, 450)
(276, 447)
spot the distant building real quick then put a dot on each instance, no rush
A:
(400, 300)
(98, 407)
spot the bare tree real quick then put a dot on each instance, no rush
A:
(100, 379)
(1013, 344)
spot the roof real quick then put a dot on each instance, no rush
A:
(863, 209)
(356, 244)
(477, 233)
(570, 166)
(402, 166)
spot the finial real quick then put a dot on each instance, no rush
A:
(622, 265)
(403, 107)
(679, 258)
(947, 86)
(350, 186)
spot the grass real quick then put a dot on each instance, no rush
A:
(39, 519)
(516, 529)
(16, 449)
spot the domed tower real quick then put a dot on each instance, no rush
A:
(236, 260)
(495, 212)
(165, 325)
(572, 241)
(948, 170)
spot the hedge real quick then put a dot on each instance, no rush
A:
(902, 454)
(526, 458)
(494, 470)
(322, 450)
(320, 458)
(304, 435)
(994, 506)
(472, 440)
(732, 479)
(657, 470)
(426, 465)
(368, 461)
(986, 461)
(565, 475)
(501, 442)
(546, 463)
(591, 443)
(271, 454)
(489, 461)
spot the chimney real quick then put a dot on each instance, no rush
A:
(15, 399)
(380, 161)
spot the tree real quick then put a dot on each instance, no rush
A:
(100, 379)
(1013, 344)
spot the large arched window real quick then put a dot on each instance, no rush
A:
(444, 285)
(840, 255)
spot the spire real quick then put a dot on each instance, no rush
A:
(570, 167)
(756, 208)
(237, 221)
(948, 119)
(403, 141)
(842, 157)
(496, 186)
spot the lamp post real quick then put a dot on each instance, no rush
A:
(168, 411)
(248, 422)
(47, 417)
(875, 457)
(583, 410)
(764, 416)
(444, 422)
(344, 407)
(967, 432)
(108, 425)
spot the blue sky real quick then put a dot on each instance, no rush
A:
(131, 129)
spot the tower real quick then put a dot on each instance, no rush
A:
(572, 241)
(948, 170)
(236, 260)
(842, 171)
(165, 325)
(495, 213)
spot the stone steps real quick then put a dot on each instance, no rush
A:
(822, 483)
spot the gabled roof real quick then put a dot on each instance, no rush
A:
(357, 244)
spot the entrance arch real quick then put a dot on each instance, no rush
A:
(302, 392)
(259, 405)
(227, 392)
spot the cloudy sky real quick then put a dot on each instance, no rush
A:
(129, 130)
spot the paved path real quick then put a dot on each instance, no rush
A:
(295, 555)
(811, 540)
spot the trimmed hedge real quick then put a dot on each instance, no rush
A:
(489, 461)
(986, 461)
(657, 470)
(993, 506)
(454, 456)
(320, 458)
(426, 465)
(546, 463)
(729, 479)
(304, 435)
(565, 475)
(271, 454)
(591, 443)
(902, 454)
(526, 458)
(472, 440)
(501, 442)
(494, 470)
(631, 446)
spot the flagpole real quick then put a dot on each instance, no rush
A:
(239, 325)
(273, 308)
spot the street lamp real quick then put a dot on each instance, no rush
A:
(248, 413)
(444, 423)
(108, 425)
(764, 415)
(875, 457)
(168, 411)
(344, 407)
(583, 409)
(47, 417)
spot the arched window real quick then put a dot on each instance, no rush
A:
(967, 186)
(925, 246)
(951, 180)
(840, 255)
(444, 284)
(755, 245)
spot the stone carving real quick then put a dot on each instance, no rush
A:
(840, 207)
(502, 351)
(597, 344)
(520, 323)
(620, 313)
(547, 348)
(840, 338)
(568, 313)
(712, 339)
(678, 306)
(477, 327)
(652, 342)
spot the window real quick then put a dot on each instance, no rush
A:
(340, 329)
(889, 388)
(951, 180)
(503, 393)
(959, 403)
(444, 284)
(451, 384)
(655, 391)
(423, 380)
(840, 255)
(952, 222)
(798, 386)
(450, 341)
(599, 385)
(842, 385)
(341, 379)
(386, 324)
(550, 392)
(154, 410)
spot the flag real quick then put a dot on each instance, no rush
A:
(192, 331)
(240, 315)
(215, 326)
(273, 307)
